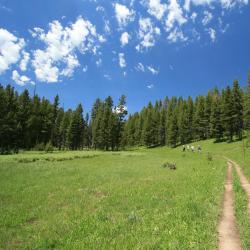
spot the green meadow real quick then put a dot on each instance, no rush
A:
(118, 200)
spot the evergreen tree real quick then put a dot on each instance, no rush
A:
(216, 126)
(247, 110)
(227, 113)
(75, 130)
(237, 109)
(200, 118)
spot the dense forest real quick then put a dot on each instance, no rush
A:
(30, 122)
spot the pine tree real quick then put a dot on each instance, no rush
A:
(63, 129)
(75, 130)
(216, 126)
(247, 110)
(149, 129)
(237, 109)
(173, 129)
(199, 118)
(24, 111)
(190, 115)
(183, 123)
(227, 113)
(54, 132)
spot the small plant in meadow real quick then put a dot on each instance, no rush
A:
(209, 157)
(133, 217)
(169, 165)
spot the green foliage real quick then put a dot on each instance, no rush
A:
(27, 121)
(49, 147)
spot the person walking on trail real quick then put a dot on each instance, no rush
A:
(199, 148)
(183, 148)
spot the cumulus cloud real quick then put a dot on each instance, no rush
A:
(207, 17)
(176, 35)
(122, 61)
(156, 8)
(140, 67)
(175, 15)
(150, 86)
(153, 70)
(124, 38)
(59, 57)
(10, 49)
(123, 14)
(147, 33)
(212, 34)
(25, 60)
(20, 79)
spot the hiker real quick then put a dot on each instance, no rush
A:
(183, 148)
(192, 148)
(199, 148)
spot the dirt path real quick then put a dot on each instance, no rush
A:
(228, 234)
(244, 183)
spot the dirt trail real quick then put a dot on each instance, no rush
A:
(244, 183)
(229, 238)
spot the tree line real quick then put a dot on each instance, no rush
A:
(222, 115)
(30, 122)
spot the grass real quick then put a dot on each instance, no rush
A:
(120, 200)
(241, 213)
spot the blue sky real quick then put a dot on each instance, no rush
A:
(145, 49)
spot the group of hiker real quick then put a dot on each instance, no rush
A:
(191, 148)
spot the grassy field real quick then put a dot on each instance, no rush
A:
(122, 200)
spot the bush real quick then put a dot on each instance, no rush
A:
(39, 147)
(49, 148)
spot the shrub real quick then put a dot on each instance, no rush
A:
(49, 148)
(39, 147)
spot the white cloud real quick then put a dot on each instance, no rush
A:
(107, 76)
(153, 70)
(147, 33)
(175, 15)
(140, 67)
(224, 3)
(25, 60)
(207, 17)
(20, 80)
(193, 16)
(10, 49)
(156, 8)
(61, 44)
(99, 62)
(124, 38)
(176, 35)
(122, 61)
(150, 86)
(123, 14)
(212, 34)
(85, 68)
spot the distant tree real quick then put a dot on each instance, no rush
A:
(75, 130)
(55, 131)
(200, 121)
(216, 126)
(227, 113)
(247, 110)
(237, 96)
